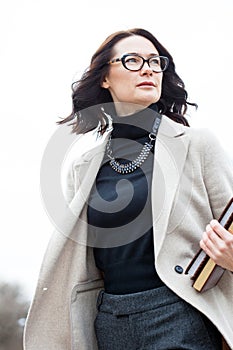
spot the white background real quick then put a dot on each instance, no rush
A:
(44, 46)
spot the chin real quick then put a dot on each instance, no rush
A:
(149, 99)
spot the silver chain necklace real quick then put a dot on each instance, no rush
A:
(143, 155)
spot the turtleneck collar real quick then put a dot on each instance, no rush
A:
(135, 125)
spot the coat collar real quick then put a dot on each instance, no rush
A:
(170, 128)
(167, 128)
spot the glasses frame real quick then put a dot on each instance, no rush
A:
(123, 58)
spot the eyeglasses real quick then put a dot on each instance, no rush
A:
(135, 62)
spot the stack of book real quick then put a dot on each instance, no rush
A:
(202, 269)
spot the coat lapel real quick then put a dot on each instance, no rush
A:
(170, 154)
(86, 169)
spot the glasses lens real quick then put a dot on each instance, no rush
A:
(132, 62)
(158, 63)
(135, 62)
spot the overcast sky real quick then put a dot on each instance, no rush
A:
(44, 47)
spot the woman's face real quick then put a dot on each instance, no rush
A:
(141, 87)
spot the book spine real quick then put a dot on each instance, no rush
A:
(208, 277)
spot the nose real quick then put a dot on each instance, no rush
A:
(146, 69)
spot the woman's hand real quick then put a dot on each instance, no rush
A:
(217, 242)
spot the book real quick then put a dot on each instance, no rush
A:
(202, 269)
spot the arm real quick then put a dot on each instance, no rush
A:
(216, 241)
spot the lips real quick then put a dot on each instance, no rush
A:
(146, 83)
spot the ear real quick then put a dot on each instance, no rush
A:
(105, 84)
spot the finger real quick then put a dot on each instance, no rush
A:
(207, 250)
(211, 237)
(211, 243)
(206, 242)
(219, 230)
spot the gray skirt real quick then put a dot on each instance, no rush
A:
(154, 319)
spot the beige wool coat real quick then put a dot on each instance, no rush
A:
(192, 182)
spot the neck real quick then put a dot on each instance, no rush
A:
(126, 109)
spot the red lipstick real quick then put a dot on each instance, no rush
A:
(146, 83)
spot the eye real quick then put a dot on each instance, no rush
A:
(132, 59)
(155, 61)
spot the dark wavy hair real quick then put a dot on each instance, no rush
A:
(88, 92)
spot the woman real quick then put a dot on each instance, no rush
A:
(115, 278)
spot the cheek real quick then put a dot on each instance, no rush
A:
(121, 82)
(159, 88)
(160, 80)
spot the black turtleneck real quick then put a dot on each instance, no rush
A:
(121, 210)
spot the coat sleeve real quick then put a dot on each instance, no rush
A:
(217, 168)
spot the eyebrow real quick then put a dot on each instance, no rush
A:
(137, 53)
